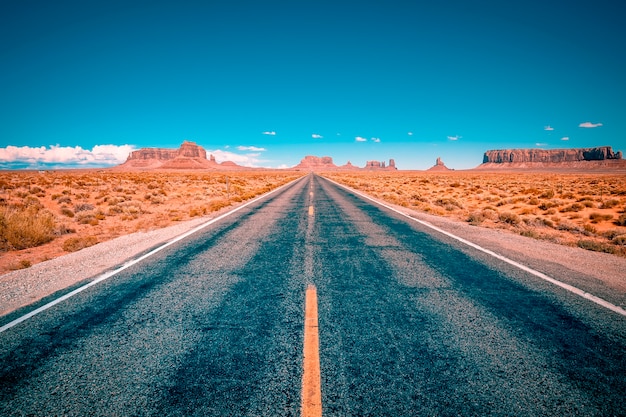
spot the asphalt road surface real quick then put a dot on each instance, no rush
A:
(410, 324)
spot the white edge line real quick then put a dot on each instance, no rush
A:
(600, 301)
(132, 262)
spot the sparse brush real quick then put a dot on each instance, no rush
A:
(74, 244)
(599, 217)
(573, 207)
(83, 207)
(509, 218)
(475, 218)
(619, 240)
(595, 246)
(610, 204)
(25, 228)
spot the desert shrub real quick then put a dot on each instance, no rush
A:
(66, 211)
(87, 217)
(548, 205)
(64, 200)
(37, 191)
(218, 204)
(619, 240)
(573, 207)
(609, 204)
(595, 246)
(475, 217)
(547, 194)
(509, 218)
(529, 233)
(31, 201)
(589, 230)
(621, 220)
(598, 217)
(533, 201)
(568, 226)
(197, 211)
(74, 244)
(83, 207)
(449, 204)
(490, 213)
(22, 264)
(528, 210)
(22, 228)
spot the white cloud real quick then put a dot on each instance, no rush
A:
(251, 148)
(272, 133)
(565, 138)
(457, 137)
(549, 128)
(410, 133)
(589, 125)
(248, 160)
(360, 139)
(56, 155)
(377, 140)
(316, 136)
(540, 145)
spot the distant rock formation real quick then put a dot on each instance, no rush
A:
(377, 165)
(325, 163)
(315, 163)
(572, 159)
(188, 156)
(439, 166)
(552, 155)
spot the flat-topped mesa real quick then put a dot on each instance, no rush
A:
(188, 156)
(187, 149)
(505, 156)
(315, 162)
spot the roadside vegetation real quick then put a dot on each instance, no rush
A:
(588, 211)
(47, 214)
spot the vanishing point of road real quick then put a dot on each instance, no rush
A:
(310, 301)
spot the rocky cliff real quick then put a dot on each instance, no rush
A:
(188, 156)
(314, 163)
(375, 165)
(558, 160)
(552, 155)
(439, 166)
(325, 163)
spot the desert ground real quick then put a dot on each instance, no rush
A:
(44, 215)
(574, 209)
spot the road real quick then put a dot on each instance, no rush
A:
(410, 322)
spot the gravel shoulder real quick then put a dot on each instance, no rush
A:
(600, 274)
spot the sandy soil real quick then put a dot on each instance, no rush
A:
(91, 206)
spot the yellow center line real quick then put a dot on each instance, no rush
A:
(311, 380)
(311, 210)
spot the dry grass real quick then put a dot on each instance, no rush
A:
(588, 211)
(44, 215)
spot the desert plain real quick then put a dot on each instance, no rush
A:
(44, 215)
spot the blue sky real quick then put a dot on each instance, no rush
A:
(266, 83)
